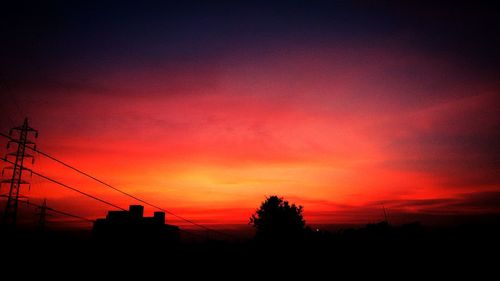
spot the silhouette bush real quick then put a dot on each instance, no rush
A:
(277, 220)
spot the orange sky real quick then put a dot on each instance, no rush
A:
(204, 108)
(340, 131)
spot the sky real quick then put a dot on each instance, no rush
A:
(207, 107)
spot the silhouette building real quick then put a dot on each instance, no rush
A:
(132, 225)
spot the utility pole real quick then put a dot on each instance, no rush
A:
(43, 214)
(10, 213)
(385, 215)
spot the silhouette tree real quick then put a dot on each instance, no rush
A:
(277, 220)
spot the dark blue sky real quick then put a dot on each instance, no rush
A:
(41, 39)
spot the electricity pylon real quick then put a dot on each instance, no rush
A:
(10, 213)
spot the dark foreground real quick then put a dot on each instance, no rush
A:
(376, 249)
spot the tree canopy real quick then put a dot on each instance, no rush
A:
(277, 219)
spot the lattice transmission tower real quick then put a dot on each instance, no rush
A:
(17, 159)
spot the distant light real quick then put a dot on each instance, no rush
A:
(317, 229)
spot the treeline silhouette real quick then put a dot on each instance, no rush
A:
(281, 237)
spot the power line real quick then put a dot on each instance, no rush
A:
(80, 217)
(69, 187)
(118, 190)
(68, 214)
(93, 197)
(53, 210)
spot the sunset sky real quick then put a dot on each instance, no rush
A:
(207, 107)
